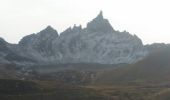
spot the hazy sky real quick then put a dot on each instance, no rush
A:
(148, 19)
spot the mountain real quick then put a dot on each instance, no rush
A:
(39, 46)
(97, 43)
(99, 24)
(92, 63)
(152, 70)
(156, 46)
(7, 55)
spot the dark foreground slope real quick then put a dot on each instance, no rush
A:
(153, 70)
(162, 95)
(52, 90)
(45, 90)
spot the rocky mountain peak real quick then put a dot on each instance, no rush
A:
(48, 30)
(49, 27)
(45, 34)
(100, 24)
(100, 15)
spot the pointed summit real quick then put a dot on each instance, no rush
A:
(99, 24)
(101, 12)
(48, 30)
(49, 27)
(100, 15)
(45, 34)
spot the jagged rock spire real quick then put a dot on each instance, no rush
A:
(100, 16)
(99, 24)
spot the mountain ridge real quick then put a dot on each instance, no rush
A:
(96, 43)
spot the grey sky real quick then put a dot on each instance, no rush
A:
(149, 19)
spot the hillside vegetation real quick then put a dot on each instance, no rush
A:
(153, 70)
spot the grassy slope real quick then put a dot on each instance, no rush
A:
(162, 95)
(52, 90)
(153, 70)
(44, 90)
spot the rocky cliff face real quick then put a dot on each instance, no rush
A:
(8, 56)
(97, 43)
(4, 50)
(39, 46)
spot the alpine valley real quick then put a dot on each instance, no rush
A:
(92, 63)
